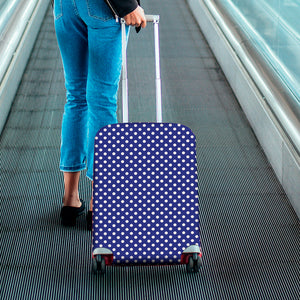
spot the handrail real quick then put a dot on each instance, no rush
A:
(20, 23)
(7, 10)
(13, 32)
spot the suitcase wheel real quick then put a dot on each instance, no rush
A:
(194, 263)
(98, 264)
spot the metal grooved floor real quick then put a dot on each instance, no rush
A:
(250, 233)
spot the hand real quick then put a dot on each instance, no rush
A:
(136, 18)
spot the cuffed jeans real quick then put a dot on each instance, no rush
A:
(89, 40)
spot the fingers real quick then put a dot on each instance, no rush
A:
(136, 18)
(143, 22)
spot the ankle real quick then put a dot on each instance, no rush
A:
(71, 201)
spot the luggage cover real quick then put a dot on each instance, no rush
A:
(145, 192)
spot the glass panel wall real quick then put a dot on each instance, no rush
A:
(273, 26)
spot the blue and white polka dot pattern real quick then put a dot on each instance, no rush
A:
(145, 192)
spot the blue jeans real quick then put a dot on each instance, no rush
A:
(89, 40)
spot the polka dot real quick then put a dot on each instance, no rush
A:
(145, 192)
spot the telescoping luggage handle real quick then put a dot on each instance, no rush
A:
(155, 20)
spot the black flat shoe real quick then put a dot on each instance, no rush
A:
(69, 214)
(89, 220)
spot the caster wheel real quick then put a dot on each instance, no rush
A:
(194, 263)
(190, 265)
(197, 264)
(98, 265)
(94, 266)
(102, 266)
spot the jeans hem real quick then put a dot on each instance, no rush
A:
(73, 169)
(89, 177)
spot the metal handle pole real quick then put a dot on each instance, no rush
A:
(155, 20)
(124, 75)
(157, 72)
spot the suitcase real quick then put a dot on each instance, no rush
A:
(145, 195)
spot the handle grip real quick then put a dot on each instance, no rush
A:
(152, 18)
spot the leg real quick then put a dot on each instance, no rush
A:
(71, 35)
(74, 124)
(71, 196)
(105, 63)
